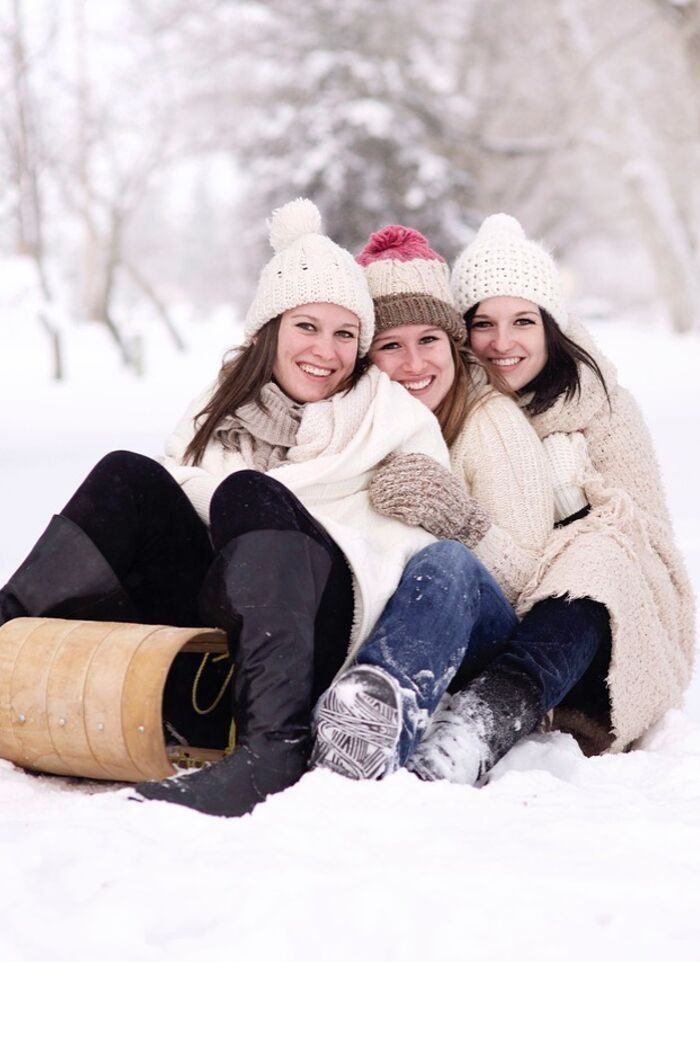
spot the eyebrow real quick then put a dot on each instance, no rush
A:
(394, 333)
(313, 317)
(520, 313)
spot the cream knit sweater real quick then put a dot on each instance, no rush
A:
(622, 554)
(503, 465)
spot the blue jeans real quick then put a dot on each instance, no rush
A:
(447, 613)
(563, 646)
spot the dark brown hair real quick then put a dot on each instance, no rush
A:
(560, 374)
(240, 382)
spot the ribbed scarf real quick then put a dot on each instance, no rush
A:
(263, 431)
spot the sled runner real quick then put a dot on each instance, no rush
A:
(86, 699)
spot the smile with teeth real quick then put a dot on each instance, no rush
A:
(417, 384)
(505, 362)
(314, 370)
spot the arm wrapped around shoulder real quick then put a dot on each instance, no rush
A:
(418, 491)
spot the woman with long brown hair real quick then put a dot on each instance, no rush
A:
(258, 521)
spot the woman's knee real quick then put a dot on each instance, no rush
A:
(446, 559)
(249, 500)
(131, 468)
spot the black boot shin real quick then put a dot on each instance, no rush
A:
(65, 575)
(264, 588)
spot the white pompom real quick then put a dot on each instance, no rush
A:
(501, 225)
(292, 221)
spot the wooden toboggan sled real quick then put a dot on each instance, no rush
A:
(86, 699)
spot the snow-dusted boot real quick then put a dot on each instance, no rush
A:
(471, 730)
(358, 723)
(65, 575)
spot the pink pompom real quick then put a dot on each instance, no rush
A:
(396, 242)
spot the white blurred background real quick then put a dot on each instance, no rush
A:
(143, 143)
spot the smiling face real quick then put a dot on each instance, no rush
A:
(316, 350)
(419, 357)
(508, 335)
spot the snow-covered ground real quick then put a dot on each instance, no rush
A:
(559, 857)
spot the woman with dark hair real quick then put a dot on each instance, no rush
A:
(258, 521)
(497, 500)
(605, 642)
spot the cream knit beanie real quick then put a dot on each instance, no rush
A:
(409, 282)
(502, 261)
(308, 267)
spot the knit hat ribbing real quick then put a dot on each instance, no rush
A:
(308, 267)
(409, 282)
(502, 261)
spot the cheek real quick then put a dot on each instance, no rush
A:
(477, 345)
(384, 363)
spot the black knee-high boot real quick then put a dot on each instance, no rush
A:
(265, 588)
(65, 575)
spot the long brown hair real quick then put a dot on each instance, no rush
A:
(462, 397)
(240, 382)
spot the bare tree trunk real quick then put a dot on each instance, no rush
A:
(659, 213)
(30, 240)
(159, 305)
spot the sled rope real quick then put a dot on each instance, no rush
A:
(222, 690)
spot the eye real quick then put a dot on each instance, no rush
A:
(481, 324)
(522, 322)
(306, 326)
(343, 333)
(391, 345)
(426, 339)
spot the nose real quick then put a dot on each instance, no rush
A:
(412, 360)
(502, 339)
(323, 346)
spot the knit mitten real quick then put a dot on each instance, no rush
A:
(418, 491)
(567, 456)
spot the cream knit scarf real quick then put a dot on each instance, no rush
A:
(263, 431)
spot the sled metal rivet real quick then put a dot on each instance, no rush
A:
(21, 718)
(100, 726)
(61, 721)
(141, 729)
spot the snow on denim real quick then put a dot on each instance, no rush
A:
(447, 613)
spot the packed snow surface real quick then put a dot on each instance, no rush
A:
(558, 857)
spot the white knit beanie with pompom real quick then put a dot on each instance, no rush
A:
(308, 267)
(502, 261)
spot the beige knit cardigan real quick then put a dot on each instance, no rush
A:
(500, 458)
(622, 554)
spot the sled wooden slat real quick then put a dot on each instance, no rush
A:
(82, 698)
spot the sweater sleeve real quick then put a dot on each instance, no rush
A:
(198, 483)
(504, 467)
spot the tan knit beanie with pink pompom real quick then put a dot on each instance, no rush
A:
(502, 261)
(308, 267)
(409, 282)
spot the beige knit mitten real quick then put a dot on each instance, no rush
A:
(418, 491)
(567, 456)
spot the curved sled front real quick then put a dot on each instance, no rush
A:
(85, 699)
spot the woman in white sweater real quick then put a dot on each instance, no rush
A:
(497, 501)
(258, 521)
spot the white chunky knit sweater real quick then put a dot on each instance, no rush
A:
(339, 443)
